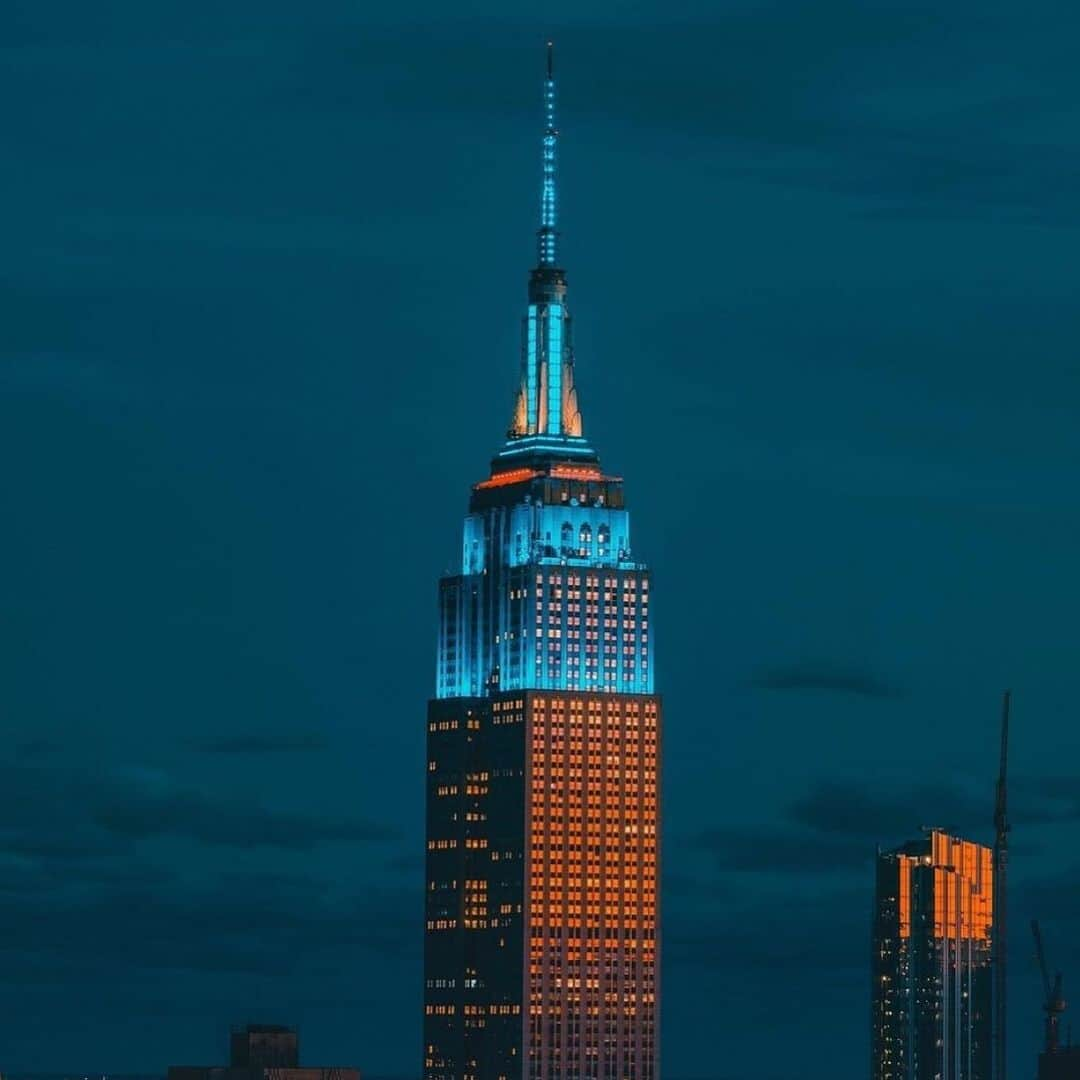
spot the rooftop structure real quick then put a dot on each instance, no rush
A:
(262, 1052)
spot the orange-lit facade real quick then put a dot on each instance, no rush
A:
(931, 986)
(542, 944)
(592, 886)
(542, 935)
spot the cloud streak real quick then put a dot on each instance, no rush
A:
(868, 812)
(213, 926)
(139, 814)
(825, 678)
(61, 813)
(260, 743)
(882, 810)
(766, 850)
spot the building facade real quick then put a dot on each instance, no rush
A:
(931, 978)
(542, 916)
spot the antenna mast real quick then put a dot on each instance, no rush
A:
(1001, 858)
(547, 234)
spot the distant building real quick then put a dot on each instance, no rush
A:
(1060, 1064)
(931, 984)
(262, 1052)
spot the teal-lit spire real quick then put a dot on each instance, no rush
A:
(547, 234)
(547, 421)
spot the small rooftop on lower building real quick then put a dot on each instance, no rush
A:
(263, 1052)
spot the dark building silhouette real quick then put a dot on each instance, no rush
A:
(1060, 1064)
(931, 982)
(541, 947)
(262, 1052)
(264, 1044)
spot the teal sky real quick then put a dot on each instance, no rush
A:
(263, 269)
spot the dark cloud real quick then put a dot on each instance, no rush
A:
(44, 814)
(230, 923)
(776, 934)
(258, 743)
(31, 874)
(876, 812)
(1052, 895)
(37, 747)
(223, 823)
(837, 680)
(885, 810)
(62, 813)
(835, 827)
(1045, 799)
(198, 954)
(782, 851)
(59, 842)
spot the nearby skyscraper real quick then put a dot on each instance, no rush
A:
(542, 950)
(931, 984)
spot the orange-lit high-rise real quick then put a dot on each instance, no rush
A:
(931, 989)
(542, 923)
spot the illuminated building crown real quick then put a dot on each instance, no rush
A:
(549, 595)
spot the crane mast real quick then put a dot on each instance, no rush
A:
(1001, 858)
(1053, 995)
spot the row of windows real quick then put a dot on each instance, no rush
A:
(589, 887)
(589, 959)
(557, 903)
(554, 935)
(607, 974)
(610, 764)
(496, 1009)
(592, 581)
(613, 708)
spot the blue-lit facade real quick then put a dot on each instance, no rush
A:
(549, 596)
(542, 948)
(545, 517)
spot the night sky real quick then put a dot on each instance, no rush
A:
(263, 266)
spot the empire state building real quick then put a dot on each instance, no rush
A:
(541, 958)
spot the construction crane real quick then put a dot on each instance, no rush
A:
(1001, 858)
(1054, 999)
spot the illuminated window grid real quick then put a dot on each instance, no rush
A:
(592, 904)
(604, 648)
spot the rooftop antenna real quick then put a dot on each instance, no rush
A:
(546, 236)
(1001, 858)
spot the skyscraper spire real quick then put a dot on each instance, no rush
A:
(546, 236)
(547, 420)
